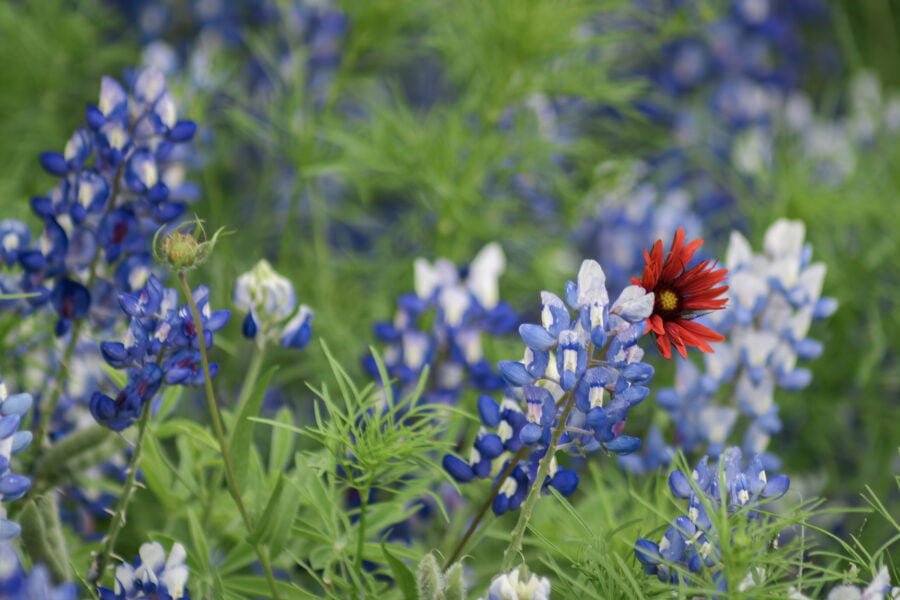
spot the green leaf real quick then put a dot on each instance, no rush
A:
(63, 457)
(119, 378)
(282, 442)
(156, 473)
(454, 584)
(42, 535)
(191, 429)
(242, 434)
(405, 579)
(274, 527)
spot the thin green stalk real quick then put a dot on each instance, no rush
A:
(361, 528)
(473, 526)
(118, 520)
(261, 551)
(250, 379)
(247, 387)
(515, 544)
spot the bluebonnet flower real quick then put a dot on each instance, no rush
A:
(690, 544)
(153, 576)
(270, 301)
(161, 346)
(518, 584)
(464, 304)
(12, 485)
(879, 589)
(18, 584)
(120, 179)
(591, 357)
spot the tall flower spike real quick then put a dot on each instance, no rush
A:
(681, 294)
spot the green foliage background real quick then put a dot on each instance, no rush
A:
(433, 168)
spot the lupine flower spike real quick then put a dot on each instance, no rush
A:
(681, 294)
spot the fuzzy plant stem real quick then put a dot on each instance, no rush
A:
(118, 519)
(515, 544)
(261, 551)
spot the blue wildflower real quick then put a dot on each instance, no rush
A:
(270, 301)
(689, 545)
(591, 356)
(161, 346)
(18, 584)
(12, 485)
(153, 576)
(462, 305)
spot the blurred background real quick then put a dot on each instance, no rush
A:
(341, 140)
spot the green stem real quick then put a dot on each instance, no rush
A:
(247, 387)
(118, 519)
(515, 544)
(473, 526)
(250, 379)
(261, 551)
(361, 527)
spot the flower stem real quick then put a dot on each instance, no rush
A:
(473, 526)
(247, 387)
(261, 551)
(361, 528)
(515, 544)
(118, 520)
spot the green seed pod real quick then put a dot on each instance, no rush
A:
(454, 585)
(430, 580)
(185, 247)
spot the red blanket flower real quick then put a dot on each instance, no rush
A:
(681, 295)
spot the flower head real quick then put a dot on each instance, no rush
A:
(153, 575)
(681, 294)
(18, 584)
(518, 584)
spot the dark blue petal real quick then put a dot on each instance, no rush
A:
(457, 468)
(54, 163)
(489, 411)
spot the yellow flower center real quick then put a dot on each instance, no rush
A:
(668, 300)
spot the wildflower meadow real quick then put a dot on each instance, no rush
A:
(416, 299)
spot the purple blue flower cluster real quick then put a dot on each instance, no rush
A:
(12, 485)
(162, 345)
(120, 179)
(582, 373)
(690, 543)
(153, 576)
(441, 326)
(209, 42)
(18, 584)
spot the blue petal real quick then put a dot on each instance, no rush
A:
(536, 337)
(565, 481)
(489, 411)
(514, 372)
(458, 468)
(54, 163)
(680, 485)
